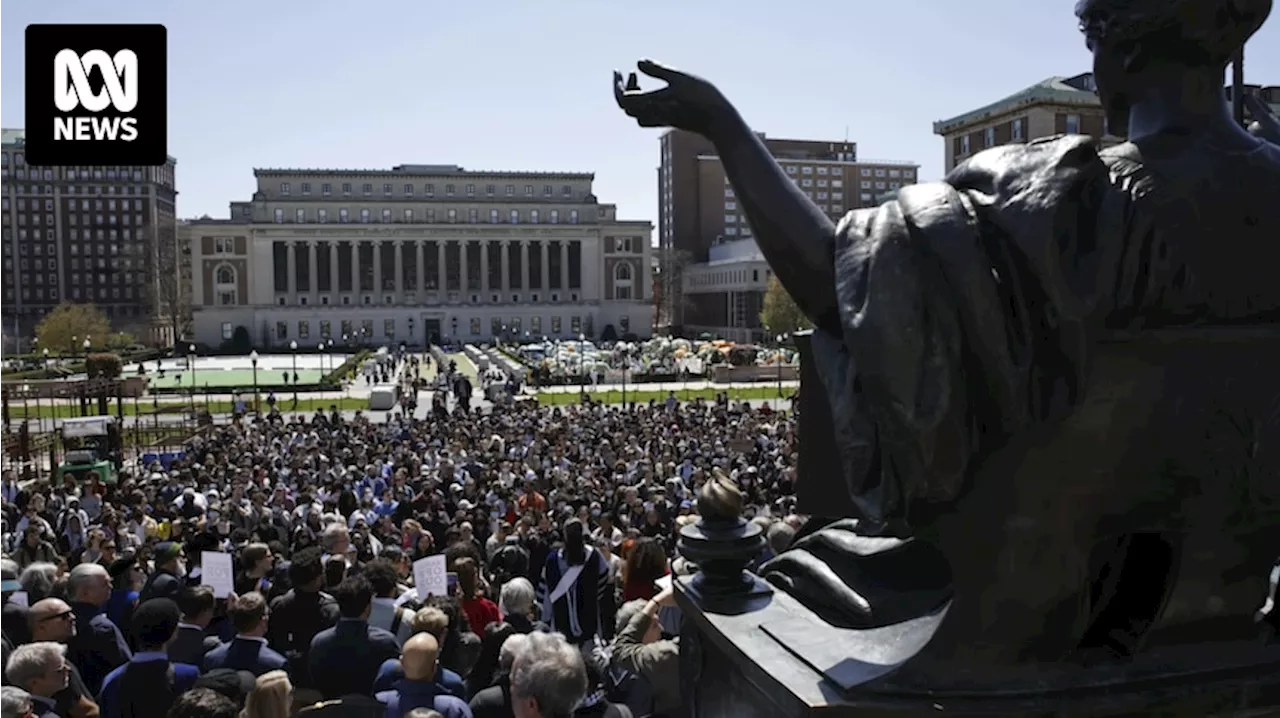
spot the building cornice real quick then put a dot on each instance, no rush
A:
(425, 172)
(435, 232)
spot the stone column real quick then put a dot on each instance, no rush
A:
(505, 256)
(441, 271)
(292, 261)
(524, 265)
(545, 248)
(484, 270)
(564, 267)
(333, 268)
(312, 251)
(400, 263)
(355, 269)
(462, 268)
(419, 256)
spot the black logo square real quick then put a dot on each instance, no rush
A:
(96, 95)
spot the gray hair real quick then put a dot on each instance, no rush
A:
(82, 576)
(517, 597)
(37, 580)
(511, 650)
(551, 672)
(32, 661)
(627, 611)
(14, 702)
(780, 535)
(329, 537)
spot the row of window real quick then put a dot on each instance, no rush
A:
(348, 331)
(428, 190)
(50, 294)
(387, 216)
(228, 295)
(836, 171)
(101, 235)
(728, 275)
(98, 205)
(90, 190)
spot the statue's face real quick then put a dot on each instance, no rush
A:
(1112, 77)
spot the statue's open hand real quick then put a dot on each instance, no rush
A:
(1265, 124)
(687, 102)
(854, 580)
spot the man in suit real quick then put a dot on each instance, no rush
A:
(149, 683)
(248, 651)
(345, 659)
(192, 642)
(97, 646)
(418, 688)
(40, 669)
(53, 620)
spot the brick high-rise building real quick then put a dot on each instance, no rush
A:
(1056, 106)
(94, 235)
(697, 208)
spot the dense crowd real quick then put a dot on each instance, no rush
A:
(558, 526)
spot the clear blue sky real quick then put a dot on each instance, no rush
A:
(522, 85)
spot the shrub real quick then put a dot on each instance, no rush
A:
(103, 366)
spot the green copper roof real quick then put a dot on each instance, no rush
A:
(1053, 90)
(12, 136)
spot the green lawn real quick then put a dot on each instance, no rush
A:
(144, 406)
(640, 396)
(218, 378)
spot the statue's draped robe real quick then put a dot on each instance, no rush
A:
(969, 308)
(966, 406)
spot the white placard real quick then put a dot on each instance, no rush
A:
(429, 577)
(19, 598)
(663, 583)
(217, 573)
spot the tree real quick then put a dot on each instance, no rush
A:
(66, 327)
(779, 313)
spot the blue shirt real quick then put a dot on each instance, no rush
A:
(120, 605)
(113, 704)
(409, 695)
(391, 672)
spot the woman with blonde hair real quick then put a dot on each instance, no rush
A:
(271, 697)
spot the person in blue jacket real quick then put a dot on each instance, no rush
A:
(148, 684)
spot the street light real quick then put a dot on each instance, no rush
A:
(191, 365)
(253, 361)
(87, 344)
(781, 339)
(293, 346)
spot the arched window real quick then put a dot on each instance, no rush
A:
(225, 291)
(622, 281)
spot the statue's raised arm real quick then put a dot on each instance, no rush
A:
(793, 233)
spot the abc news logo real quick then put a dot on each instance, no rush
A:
(72, 91)
(96, 95)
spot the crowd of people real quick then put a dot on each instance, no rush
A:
(558, 526)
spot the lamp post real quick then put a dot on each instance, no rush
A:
(87, 344)
(582, 376)
(293, 346)
(253, 361)
(781, 339)
(191, 366)
(320, 349)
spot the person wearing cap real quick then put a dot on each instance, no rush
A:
(167, 580)
(125, 579)
(148, 684)
(53, 620)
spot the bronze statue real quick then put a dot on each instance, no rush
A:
(1056, 368)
